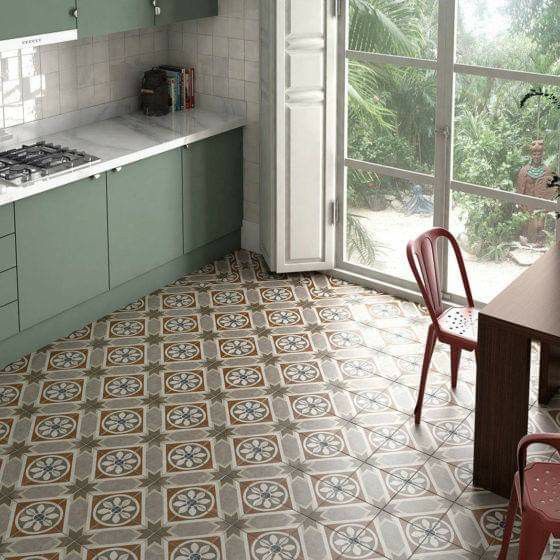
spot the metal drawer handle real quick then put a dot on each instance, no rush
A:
(95, 177)
(117, 170)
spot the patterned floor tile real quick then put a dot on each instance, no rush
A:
(241, 414)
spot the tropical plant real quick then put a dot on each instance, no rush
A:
(391, 111)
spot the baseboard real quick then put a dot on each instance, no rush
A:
(250, 236)
(72, 319)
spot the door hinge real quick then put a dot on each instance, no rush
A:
(335, 212)
(337, 8)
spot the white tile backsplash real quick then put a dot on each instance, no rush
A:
(51, 80)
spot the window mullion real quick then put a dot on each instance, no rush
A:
(447, 24)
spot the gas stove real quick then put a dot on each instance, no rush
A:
(24, 165)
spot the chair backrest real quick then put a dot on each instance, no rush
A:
(423, 259)
(552, 439)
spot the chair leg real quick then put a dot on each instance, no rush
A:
(430, 343)
(455, 361)
(534, 538)
(512, 510)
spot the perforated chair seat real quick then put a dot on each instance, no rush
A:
(535, 494)
(459, 325)
(542, 489)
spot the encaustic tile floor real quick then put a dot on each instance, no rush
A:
(239, 414)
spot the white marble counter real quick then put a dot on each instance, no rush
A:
(122, 140)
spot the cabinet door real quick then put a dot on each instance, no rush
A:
(61, 240)
(145, 216)
(23, 18)
(99, 17)
(180, 10)
(213, 188)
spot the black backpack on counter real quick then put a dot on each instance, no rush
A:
(156, 100)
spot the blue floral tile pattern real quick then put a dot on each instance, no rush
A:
(239, 414)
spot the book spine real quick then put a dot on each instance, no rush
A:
(189, 88)
(193, 86)
(183, 89)
(177, 91)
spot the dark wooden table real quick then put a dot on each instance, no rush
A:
(528, 309)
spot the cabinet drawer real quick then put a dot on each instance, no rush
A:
(8, 286)
(6, 219)
(7, 252)
(9, 320)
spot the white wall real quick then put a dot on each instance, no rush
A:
(225, 52)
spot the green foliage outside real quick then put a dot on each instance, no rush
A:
(392, 109)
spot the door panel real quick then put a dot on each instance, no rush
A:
(99, 17)
(300, 93)
(24, 18)
(173, 11)
(213, 192)
(61, 249)
(145, 217)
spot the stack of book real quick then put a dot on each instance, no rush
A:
(181, 87)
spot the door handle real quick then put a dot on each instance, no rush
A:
(95, 177)
(157, 9)
(117, 170)
(74, 12)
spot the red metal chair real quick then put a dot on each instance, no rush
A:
(455, 326)
(536, 494)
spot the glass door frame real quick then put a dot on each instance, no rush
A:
(446, 69)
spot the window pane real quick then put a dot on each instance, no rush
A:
(499, 241)
(391, 115)
(383, 214)
(402, 27)
(511, 34)
(500, 145)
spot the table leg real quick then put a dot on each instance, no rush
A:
(549, 372)
(502, 401)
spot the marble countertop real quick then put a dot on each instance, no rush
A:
(122, 140)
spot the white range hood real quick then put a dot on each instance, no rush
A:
(38, 40)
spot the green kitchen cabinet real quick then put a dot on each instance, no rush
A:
(24, 18)
(7, 252)
(213, 188)
(61, 242)
(100, 17)
(173, 11)
(145, 216)
(9, 322)
(6, 219)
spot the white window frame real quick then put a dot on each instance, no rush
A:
(446, 69)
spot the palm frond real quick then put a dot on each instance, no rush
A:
(363, 95)
(360, 243)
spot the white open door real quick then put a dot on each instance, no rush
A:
(298, 209)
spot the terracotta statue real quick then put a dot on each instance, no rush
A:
(534, 179)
